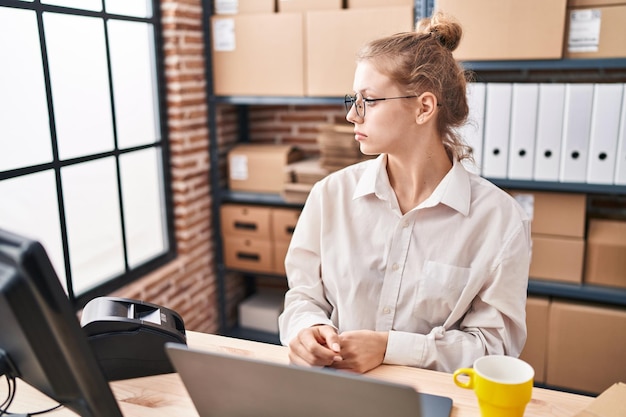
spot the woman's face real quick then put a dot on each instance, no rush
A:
(388, 125)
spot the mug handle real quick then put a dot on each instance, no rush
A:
(464, 371)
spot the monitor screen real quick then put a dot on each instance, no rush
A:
(40, 335)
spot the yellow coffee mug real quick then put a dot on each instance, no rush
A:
(502, 384)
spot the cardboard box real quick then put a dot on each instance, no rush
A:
(608, 404)
(586, 346)
(334, 37)
(256, 238)
(306, 5)
(508, 29)
(592, 3)
(280, 251)
(537, 314)
(558, 214)
(261, 310)
(258, 54)
(222, 7)
(246, 221)
(557, 258)
(296, 193)
(307, 171)
(284, 222)
(248, 254)
(259, 167)
(606, 253)
(596, 32)
(366, 4)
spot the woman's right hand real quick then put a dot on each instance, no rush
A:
(315, 346)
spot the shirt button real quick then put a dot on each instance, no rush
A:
(406, 224)
(394, 267)
(386, 310)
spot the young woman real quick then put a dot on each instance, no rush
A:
(407, 258)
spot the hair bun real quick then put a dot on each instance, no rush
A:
(446, 30)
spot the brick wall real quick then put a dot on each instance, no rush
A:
(295, 125)
(188, 283)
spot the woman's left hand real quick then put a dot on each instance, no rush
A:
(361, 350)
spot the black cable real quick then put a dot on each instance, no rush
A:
(7, 371)
(10, 396)
(35, 413)
(4, 407)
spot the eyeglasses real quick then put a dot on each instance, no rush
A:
(360, 103)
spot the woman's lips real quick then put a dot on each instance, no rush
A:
(359, 136)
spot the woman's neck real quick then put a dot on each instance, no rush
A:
(415, 176)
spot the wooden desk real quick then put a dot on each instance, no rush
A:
(165, 395)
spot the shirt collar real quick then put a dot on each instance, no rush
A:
(454, 190)
(374, 179)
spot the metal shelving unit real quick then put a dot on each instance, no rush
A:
(579, 292)
(277, 101)
(570, 187)
(552, 65)
(566, 70)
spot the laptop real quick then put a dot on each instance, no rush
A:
(222, 385)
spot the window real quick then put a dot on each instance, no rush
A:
(83, 157)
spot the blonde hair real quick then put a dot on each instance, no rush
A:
(422, 61)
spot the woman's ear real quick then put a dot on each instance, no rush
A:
(427, 103)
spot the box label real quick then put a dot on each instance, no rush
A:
(584, 30)
(527, 201)
(239, 167)
(226, 6)
(224, 35)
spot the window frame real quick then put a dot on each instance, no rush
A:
(161, 144)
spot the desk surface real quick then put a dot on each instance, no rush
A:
(165, 395)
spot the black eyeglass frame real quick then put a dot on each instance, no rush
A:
(350, 101)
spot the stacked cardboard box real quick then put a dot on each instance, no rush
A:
(535, 350)
(301, 176)
(523, 32)
(586, 345)
(605, 260)
(332, 41)
(595, 29)
(284, 222)
(256, 238)
(366, 4)
(246, 232)
(258, 54)
(558, 230)
(307, 5)
(296, 53)
(260, 167)
(575, 345)
(338, 148)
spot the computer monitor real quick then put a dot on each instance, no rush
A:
(41, 341)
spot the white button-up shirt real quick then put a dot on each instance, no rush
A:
(447, 280)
